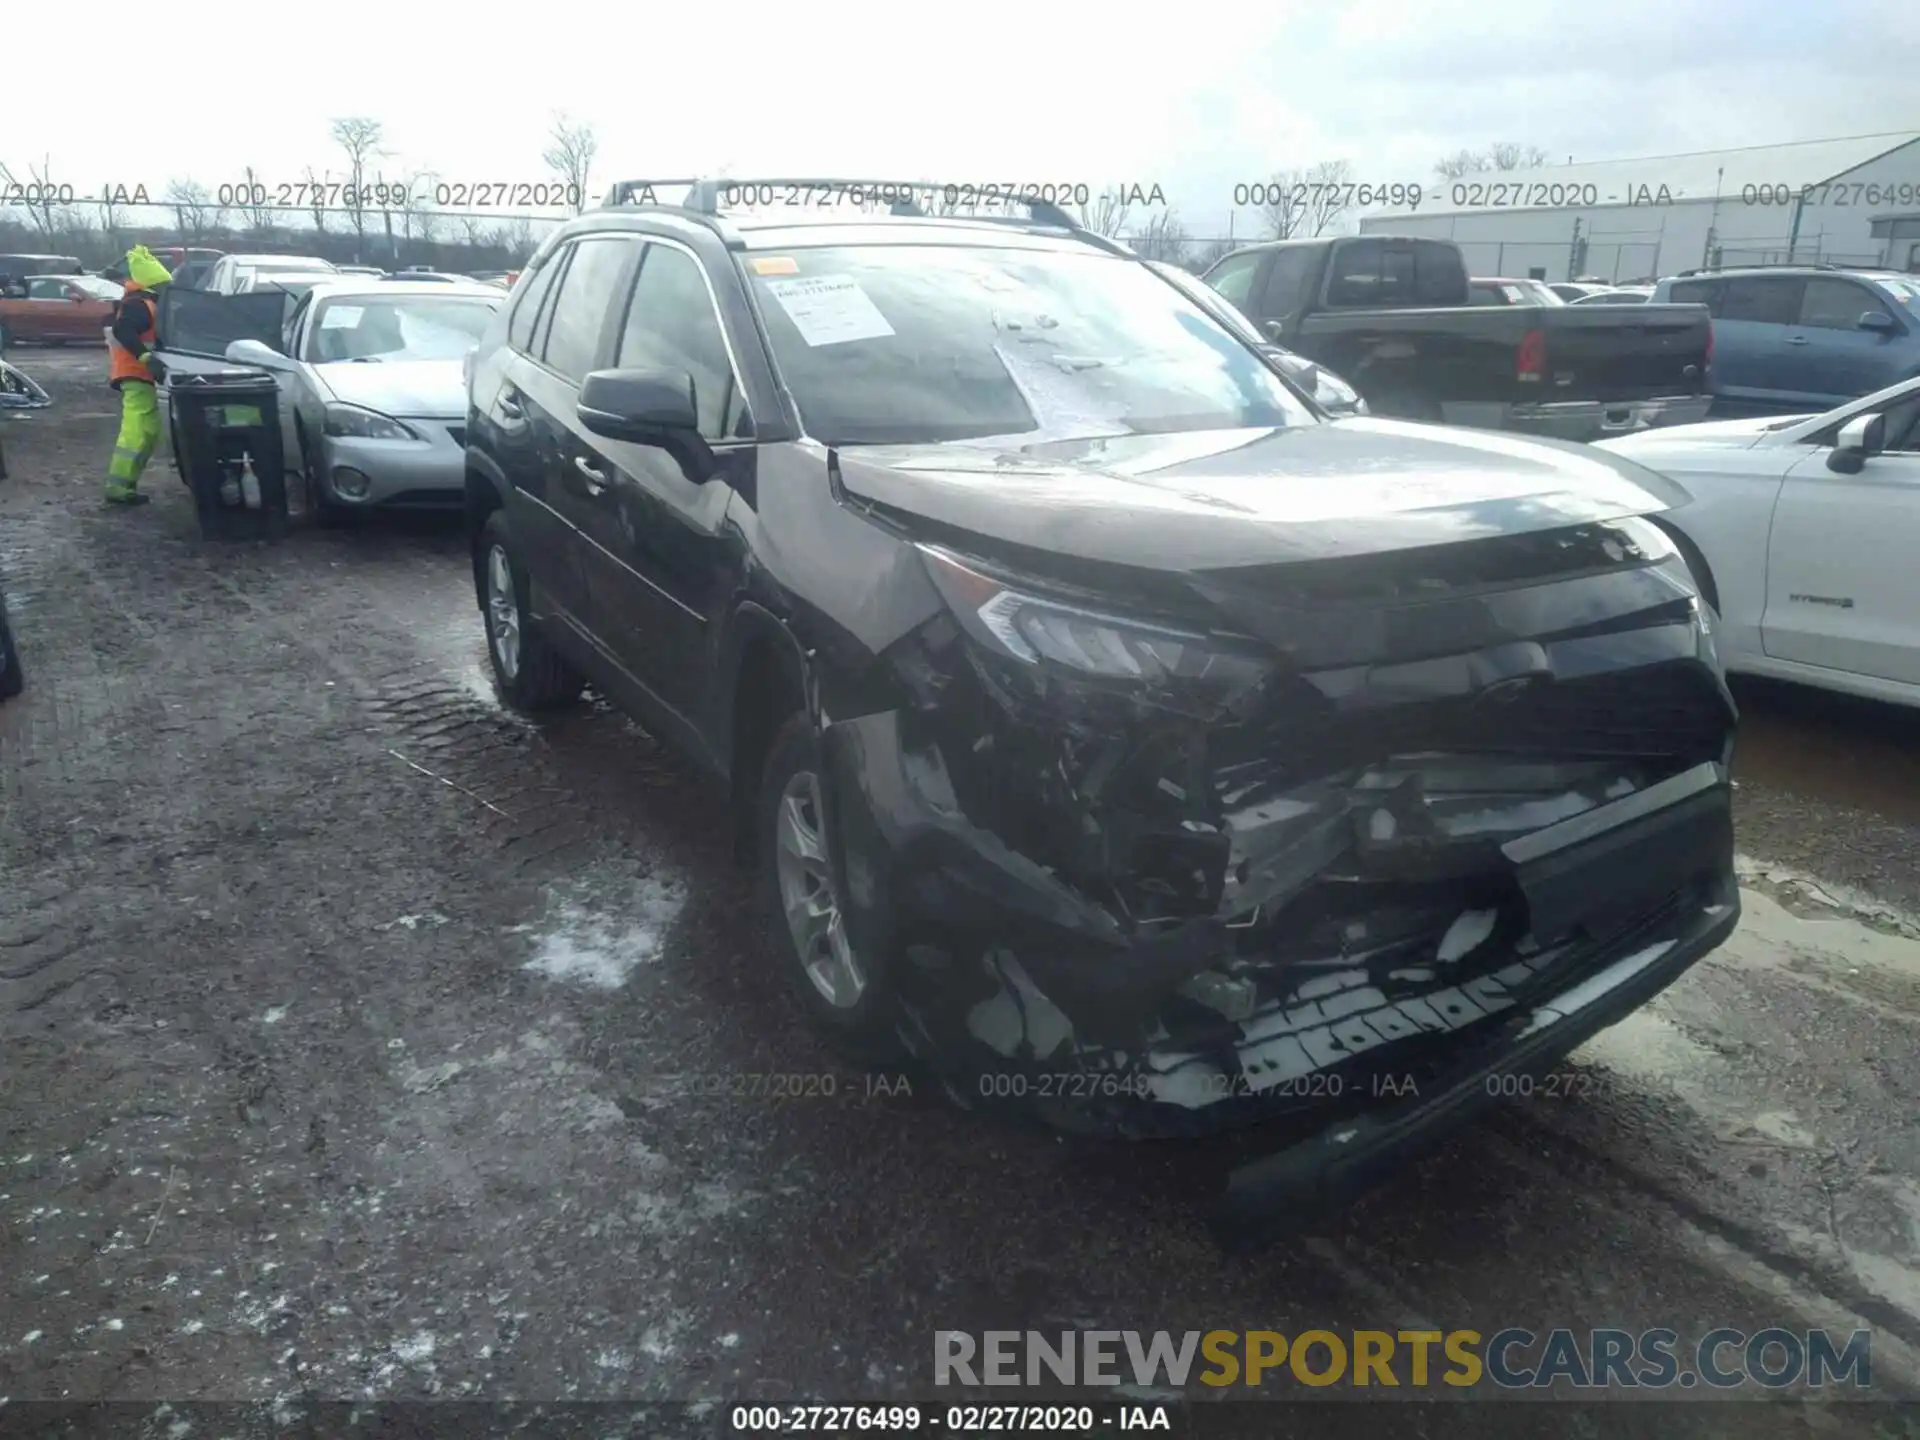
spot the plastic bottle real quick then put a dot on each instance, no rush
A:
(249, 482)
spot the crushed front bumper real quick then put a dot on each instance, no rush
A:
(1595, 913)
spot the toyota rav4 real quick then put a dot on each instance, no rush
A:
(1108, 724)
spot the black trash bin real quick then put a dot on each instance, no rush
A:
(229, 422)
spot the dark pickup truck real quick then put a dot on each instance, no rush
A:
(1395, 317)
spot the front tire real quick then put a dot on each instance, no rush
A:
(529, 674)
(848, 996)
(324, 509)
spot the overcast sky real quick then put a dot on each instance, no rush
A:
(990, 90)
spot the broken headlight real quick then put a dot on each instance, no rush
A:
(1055, 633)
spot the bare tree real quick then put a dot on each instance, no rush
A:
(473, 231)
(1106, 214)
(1284, 206)
(39, 196)
(1329, 191)
(317, 199)
(254, 204)
(570, 157)
(110, 217)
(1210, 253)
(520, 239)
(1501, 155)
(1162, 238)
(360, 138)
(192, 208)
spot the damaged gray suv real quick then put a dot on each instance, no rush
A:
(1112, 728)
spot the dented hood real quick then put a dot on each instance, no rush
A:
(1218, 498)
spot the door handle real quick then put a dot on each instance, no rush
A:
(595, 477)
(1796, 339)
(510, 407)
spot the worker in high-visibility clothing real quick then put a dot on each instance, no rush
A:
(131, 365)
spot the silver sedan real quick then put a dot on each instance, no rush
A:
(373, 404)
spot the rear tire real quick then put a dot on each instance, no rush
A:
(529, 674)
(860, 1022)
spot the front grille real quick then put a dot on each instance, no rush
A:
(1671, 711)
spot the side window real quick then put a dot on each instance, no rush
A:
(1836, 304)
(1440, 275)
(1370, 273)
(1762, 300)
(526, 305)
(588, 291)
(671, 325)
(1356, 274)
(1902, 431)
(1233, 278)
(1696, 292)
(1285, 292)
(47, 290)
(1478, 294)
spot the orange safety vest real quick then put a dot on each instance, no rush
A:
(122, 363)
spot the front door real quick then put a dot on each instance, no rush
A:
(1843, 592)
(666, 566)
(1828, 358)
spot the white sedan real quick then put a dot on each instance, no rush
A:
(1802, 531)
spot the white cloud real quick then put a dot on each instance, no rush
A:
(996, 89)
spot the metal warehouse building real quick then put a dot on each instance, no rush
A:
(1626, 220)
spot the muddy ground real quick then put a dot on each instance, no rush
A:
(359, 1040)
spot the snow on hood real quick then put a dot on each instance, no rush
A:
(427, 389)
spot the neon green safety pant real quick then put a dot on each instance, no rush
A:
(139, 435)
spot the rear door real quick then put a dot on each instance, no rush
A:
(1829, 359)
(1843, 592)
(576, 335)
(1750, 337)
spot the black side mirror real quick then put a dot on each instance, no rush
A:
(1859, 438)
(648, 407)
(1878, 320)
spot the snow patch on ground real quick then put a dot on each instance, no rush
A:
(601, 943)
(274, 1016)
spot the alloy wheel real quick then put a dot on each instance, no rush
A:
(503, 613)
(808, 897)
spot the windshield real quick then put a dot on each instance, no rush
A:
(1907, 292)
(397, 327)
(902, 344)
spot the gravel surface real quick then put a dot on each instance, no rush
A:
(359, 1040)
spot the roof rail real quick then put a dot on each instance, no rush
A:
(1764, 265)
(715, 195)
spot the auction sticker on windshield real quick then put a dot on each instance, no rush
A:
(341, 317)
(829, 309)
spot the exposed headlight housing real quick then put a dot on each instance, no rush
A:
(1069, 639)
(358, 423)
